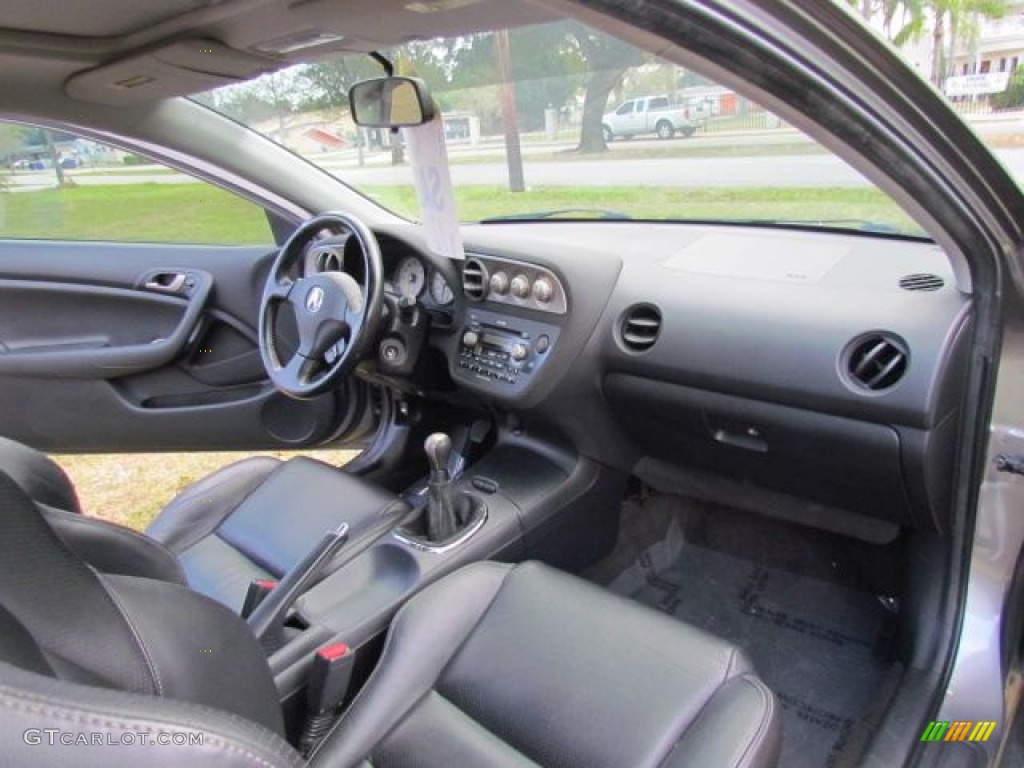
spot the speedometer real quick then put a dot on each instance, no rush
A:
(410, 277)
(440, 290)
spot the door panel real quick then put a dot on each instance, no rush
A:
(129, 347)
(90, 331)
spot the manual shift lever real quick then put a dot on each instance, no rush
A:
(441, 522)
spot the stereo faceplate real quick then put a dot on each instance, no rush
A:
(502, 353)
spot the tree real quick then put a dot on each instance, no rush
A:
(911, 14)
(11, 139)
(964, 21)
(44, 141)
(1013, 96)
(545, 56)
(953, 20)
(656, 77)
(326, 83)
(272, 96)
(51, 149)
(608, 59)
(947, 21)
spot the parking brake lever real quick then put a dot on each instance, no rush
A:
(267, 620)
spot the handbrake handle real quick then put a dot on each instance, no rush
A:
(267, 621)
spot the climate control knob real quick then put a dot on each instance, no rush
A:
(521, 286)
(499, 283)
(543, 290)
(519, 352)
(470, 339)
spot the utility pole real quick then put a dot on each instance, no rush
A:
(509, 113)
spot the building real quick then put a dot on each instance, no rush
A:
(995, 46)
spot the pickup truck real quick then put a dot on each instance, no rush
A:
(648, 114)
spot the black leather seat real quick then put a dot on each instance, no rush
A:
(254, 519)
(495, 665)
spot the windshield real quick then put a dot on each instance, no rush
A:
(560, 121)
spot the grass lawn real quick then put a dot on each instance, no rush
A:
(160, 213)
(131, 488)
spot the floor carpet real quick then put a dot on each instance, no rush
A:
(823, 647)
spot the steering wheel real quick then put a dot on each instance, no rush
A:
(333, 313)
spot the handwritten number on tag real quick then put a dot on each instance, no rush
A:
(433, 195)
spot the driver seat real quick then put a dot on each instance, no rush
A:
(253, 519)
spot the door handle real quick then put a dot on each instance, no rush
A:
(166, 282)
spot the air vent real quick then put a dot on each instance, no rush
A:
(329, 260)
(877, 362)
(640, 327)
(921, 282)
(474, 279)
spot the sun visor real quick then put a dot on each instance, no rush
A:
(183, 67)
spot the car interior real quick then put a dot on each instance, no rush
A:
(630, 493)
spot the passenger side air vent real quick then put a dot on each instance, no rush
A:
(877, 362)
(639, 327)
(921, 282)
(474, 279)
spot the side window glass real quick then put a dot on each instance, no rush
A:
(58, 186)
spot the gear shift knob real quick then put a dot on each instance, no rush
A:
(438, 448)
(441, 521)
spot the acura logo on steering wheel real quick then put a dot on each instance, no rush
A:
(315, 299)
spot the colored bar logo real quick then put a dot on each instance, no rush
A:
(958, 730)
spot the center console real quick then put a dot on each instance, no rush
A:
(524, 499)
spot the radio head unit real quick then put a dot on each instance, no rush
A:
(502, 353)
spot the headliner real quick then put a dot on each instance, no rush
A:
(52, 40)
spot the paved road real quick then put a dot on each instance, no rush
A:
(767, 171)
(813, 170)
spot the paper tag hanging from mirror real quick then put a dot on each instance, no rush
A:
(428, 157)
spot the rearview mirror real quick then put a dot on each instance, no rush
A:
(391, 102)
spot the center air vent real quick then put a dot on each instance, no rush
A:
(921, 282)
(639, 327)
(877, 362)
(474, 279)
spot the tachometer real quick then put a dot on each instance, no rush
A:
(440, 291)
(410, 277)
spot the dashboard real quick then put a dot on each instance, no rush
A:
(824, 366)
